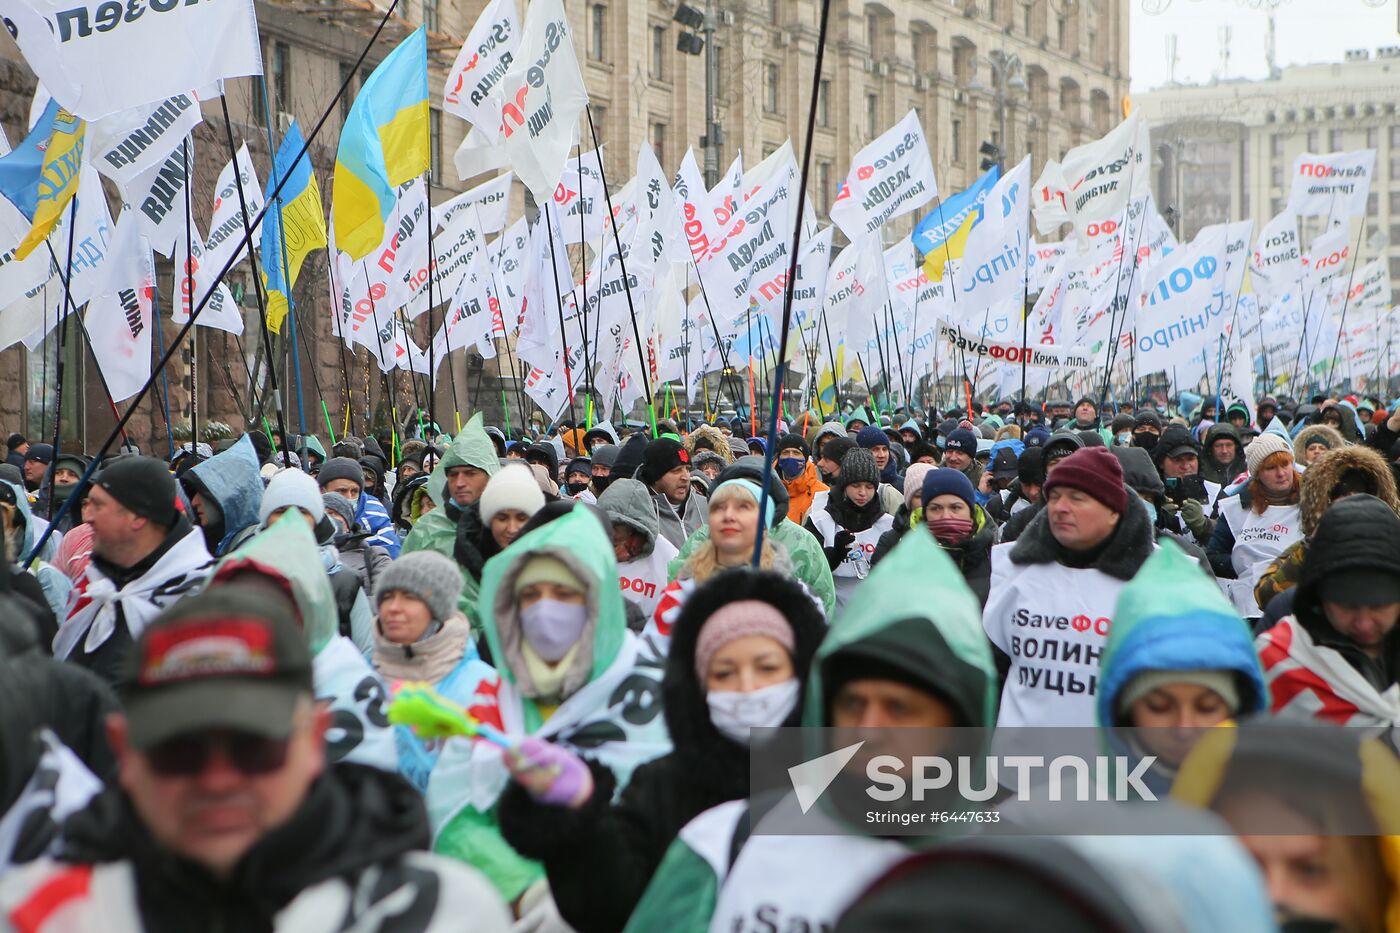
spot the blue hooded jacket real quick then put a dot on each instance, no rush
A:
(232, 480)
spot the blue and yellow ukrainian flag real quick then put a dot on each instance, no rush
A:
(942, 234)
(40, 177)
(296, 220)
(383, 144)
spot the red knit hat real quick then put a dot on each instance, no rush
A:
(1093, 471)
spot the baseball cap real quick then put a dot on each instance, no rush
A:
(227, 658)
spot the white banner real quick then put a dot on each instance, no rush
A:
(1334, 185)
(481, 65)
(119, 319)
(891, 176)
(541, 98)
(992, 274)
(1096, 181)
(103, 56)
(1035, 356)
(226, 229)
(1185, 299)
(1277, 265)
(492, 199)
(1327, 260)
(221, 312)
(126, 144)
(158, 196)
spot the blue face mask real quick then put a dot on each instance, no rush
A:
(791, 467)
(1151, 511)
(1125, 439)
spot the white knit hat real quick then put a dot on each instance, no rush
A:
(292, 488)
(1261, 448)
(513, 487)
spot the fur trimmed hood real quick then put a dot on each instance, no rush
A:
(1335, 441)
(718, 441)
(1317, 482)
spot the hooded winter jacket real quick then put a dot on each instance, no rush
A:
(803, 550)
(54, 582)
(718, 443)
(790, 882)
(437, 531)
(1196, 630)
(346, 858)
(231, 481)
(1222, 474)
(1050, 612)
(628, 502)
(1314, 498)
(341, 676)
(616, 847)
(608, 704)
(1326, 432)
(802, 490)
(1315, 672)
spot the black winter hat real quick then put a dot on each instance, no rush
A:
(341, 468)
(629, 457)
(837, 448)
(143, 486)
(793, 440)
(40, 452)
(661, 457)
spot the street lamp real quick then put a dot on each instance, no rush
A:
(700, 39)
(1008, 75)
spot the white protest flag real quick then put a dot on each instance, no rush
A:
(670, 326)
(1048, 199)
(194, 278)
(891, 176)
(374, 287)
(481, 65)
(657, 229)
(1277, 265)
(541, 97)
(477, 155)
(453, 247)
(698, 221)
(226, 228)
(474, 316)
(580, 199)
(1184, 298)
(510, 269)
(491, 199)
(727, 196)
(856, 291)
(158, 196)
(119, 319)
(1371, 290)
(1334, 185)
(807, 297)
(92, 238)
(1327, 260)
(1040, 264)
(1100, 178)
(100, 57)
(127, 144)
(753, 251)
(18, 277)
(992, 274)
(778, 161)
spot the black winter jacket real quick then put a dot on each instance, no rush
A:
(600, 858)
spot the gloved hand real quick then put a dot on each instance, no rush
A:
(1194, 514)
(538, 913)
(553, 775)
(1170, 507)
(844, 540)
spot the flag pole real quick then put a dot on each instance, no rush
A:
(199, 308)
(62, 351)
(789, 288)
(257, 287)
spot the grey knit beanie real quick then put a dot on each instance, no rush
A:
(428, 575)
(858, 466)
(335, 502)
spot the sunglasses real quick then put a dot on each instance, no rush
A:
(188, 755)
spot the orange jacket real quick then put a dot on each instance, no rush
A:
(801, 491)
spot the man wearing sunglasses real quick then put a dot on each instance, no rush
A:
(225, 815)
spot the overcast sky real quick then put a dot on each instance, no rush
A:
(1307, 31)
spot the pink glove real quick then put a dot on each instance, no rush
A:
(553, 775)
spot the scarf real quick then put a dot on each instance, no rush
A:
(430, 658)
(96, 601)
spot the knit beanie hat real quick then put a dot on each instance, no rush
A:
(606, 454)
(1095, 472)
(545, 568)
(661, 457)
(432, 577)
(795, 441)
(341, 468)
(1318, 439)
(946, 481)
(914, 481)
(736, 620)
(871, 437)
(293, 488)
(964, 440)
(858, 466)
(143, 486)
(335, 502)
(753, 489)
(1262, 447)
(513, 487)
(1222, 683)
(579, 465)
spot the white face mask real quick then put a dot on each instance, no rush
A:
(734, 714)
(552, 627)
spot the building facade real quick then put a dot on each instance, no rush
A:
(1030, 76)
(1225, 151)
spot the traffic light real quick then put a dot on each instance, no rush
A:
(991, 155)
